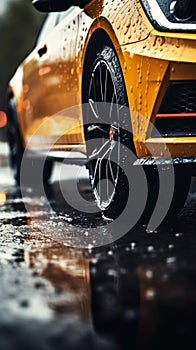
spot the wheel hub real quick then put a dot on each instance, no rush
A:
(113, 133)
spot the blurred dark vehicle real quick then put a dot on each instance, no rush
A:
(18, 23)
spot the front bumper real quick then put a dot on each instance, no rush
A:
(188, 163)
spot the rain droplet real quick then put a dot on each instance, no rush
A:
(149, 274)
(179, 234)
(150, 248)
(170, 246)
(150, 294)
(133, 245)
(110, 252)
(112, 272)
(171, 260)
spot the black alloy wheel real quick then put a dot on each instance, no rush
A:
(106, 125)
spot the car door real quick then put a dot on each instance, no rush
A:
(50, 83)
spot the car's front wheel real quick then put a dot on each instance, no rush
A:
(109, 142)
(107, 129)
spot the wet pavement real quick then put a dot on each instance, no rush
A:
(136, 293)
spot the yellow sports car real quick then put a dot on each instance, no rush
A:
(105, 73)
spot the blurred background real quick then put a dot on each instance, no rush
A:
(19, 26)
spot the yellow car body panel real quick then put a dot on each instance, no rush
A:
(49, 81)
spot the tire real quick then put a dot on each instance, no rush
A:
(181, 190)
(31, 167)
(104, 93)
(182, 180)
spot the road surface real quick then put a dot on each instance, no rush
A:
(57, 292)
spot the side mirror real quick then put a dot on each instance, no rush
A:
(57, 5)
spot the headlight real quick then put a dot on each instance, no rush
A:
(171, 15)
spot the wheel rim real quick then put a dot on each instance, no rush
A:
(104, 133)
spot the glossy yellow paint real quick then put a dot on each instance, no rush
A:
(46, 87)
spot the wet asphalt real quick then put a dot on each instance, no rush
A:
(57, 292)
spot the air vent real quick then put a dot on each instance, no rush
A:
(177, 114)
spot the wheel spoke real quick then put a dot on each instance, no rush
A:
(107, 180)
(99, 169)
(102, 151)
(111, 171)
(97, 110)
(99, 182)
(106, 85)
(109, 183)
(101, 82)
(95, 171)
(93, 96)
(111, 106)
(92, 128)
(94, 87)
(115, 162)
(93, 105)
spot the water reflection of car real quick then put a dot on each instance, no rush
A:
(139, 54)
